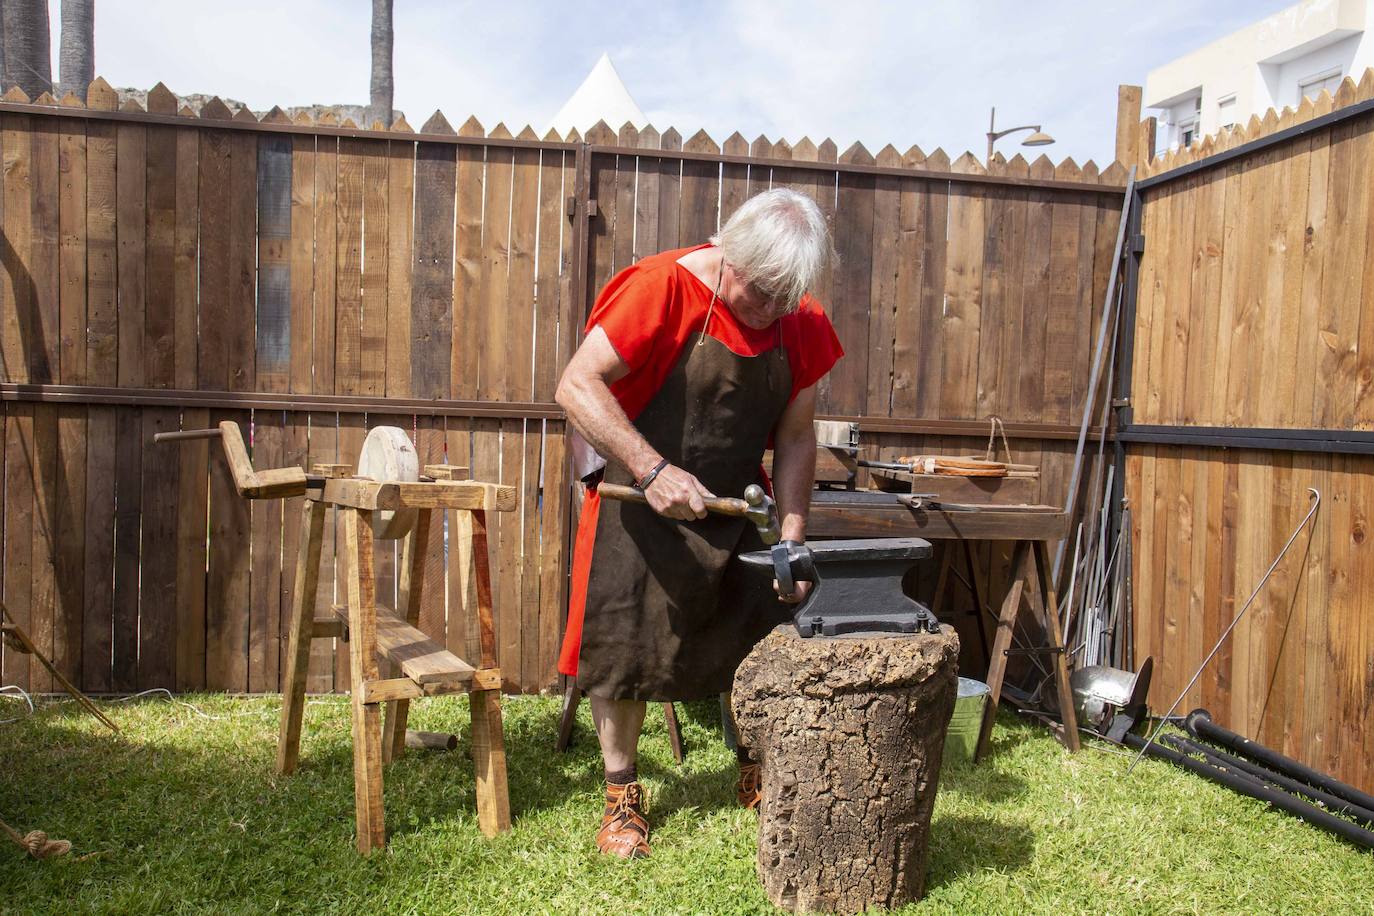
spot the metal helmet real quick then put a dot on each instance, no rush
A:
(1100, 692)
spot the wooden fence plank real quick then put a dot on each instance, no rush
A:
(548, 289)
(159, 319)
(432, 325)
(348, 360)
(265, 537)
(70, 533)
(1061, 322)
(130, 211)
(884, 242)
(324, 450)
(929, 374)
(520, 302)
(212, 366)
(185, 243)
(43, 623)
(73, 245)
(376, 261)
(228, 587)
(274, 318)
(469, 175)
(400, 229)
(842, 391)
(302, 277)
(192, 508)
(700, 209)
(326, 256)
(18, 292)
(19, 526)
(493, 319)
(44, 347)
(128, 517)
(159, 605)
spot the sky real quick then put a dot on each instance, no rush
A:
(903, 73)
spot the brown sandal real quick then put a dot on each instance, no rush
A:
(749, 789)
(624, 828)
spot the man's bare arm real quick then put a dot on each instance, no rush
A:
(794, 471)
(585, 393)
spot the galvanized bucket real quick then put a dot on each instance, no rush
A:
(962, 738)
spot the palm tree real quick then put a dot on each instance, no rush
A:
(379, 108)
(76, 58)
(28, 46)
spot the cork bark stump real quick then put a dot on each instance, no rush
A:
(850, 733)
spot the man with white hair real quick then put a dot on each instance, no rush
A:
(694, 362)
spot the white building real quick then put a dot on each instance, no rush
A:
(1296, 52)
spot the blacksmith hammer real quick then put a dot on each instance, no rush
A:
(757, 506)
(857, 584)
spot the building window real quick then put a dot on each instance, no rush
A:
(1312, 86)
(1188, 124)
(1226, 111)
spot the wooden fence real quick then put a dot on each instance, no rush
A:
(313, 280)
(1253, 359)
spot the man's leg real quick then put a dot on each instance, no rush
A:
(624, 829)
(618, 724)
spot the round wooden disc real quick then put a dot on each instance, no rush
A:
(387, 455)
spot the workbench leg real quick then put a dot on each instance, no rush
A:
(300, 635)
(937, 601)
(971, 570)
(362, 652)
(572, 698)
(1050, 606)
(489, 762)
(409, 593)
(674, 730)
(997, 669)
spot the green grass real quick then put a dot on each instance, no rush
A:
(182, 813)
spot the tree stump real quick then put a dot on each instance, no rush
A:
(850, 733)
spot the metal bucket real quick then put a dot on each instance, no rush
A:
(962, 738)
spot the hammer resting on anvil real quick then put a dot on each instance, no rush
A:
(757, 506)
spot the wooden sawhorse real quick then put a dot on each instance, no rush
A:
(391, 661)
(1030, 571)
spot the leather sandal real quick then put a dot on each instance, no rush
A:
(624, 828)
(749, 789)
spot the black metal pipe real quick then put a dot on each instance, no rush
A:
(1200, 725)
(1249, 785)
(1330, 802)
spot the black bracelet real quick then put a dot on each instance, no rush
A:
(643, 482)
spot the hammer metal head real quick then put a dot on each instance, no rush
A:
(763, 513)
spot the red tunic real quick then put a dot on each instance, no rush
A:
(649, 312)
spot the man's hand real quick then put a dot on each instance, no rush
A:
(674, 493)
(800, 590)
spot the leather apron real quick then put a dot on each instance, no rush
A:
(670, 613)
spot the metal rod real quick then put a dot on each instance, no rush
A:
(1333, 441)
(1108, 310)
(1249, 785)
(1316, 501)
(1200, 724)
(1331, 802)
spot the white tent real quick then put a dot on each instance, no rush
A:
(601, 97)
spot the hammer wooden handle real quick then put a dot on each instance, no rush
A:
(721, 505)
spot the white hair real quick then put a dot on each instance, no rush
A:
(778, 242)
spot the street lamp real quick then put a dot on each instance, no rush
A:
(1037, 138)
